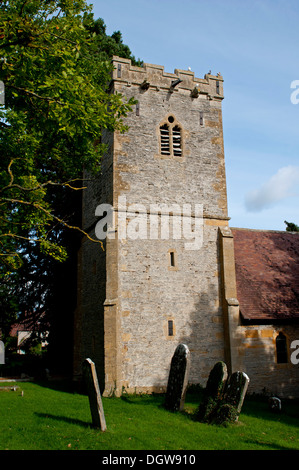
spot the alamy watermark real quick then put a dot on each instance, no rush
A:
(295, 94)
(153, 222)
(295, 354)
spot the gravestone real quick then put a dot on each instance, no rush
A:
(94, 394)
(274, 404)
(178, 379)
(2, 353)
(236, 389)
(233, 398)
(213, 392)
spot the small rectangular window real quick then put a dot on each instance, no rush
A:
(137, 109)
(170, 327)
(201, 118)
(281, 349)
(172, 259)
(217, 87)
(119, 71)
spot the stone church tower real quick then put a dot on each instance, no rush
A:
(166, 273)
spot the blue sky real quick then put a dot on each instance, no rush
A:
(255, 46)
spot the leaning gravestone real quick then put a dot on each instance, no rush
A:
(213, 392)
(178, 379)
(94, 394)
(274, 404)
(233, 398)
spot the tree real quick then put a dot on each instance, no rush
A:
(291, 227)
(108, 46)
(56, 105)
(55, 66)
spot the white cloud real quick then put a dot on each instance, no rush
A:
(280, 186)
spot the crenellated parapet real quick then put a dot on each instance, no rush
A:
(154, 77)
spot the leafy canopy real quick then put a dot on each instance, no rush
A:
(291, 227)
(55, 69)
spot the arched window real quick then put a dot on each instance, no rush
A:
(281, 349)
(171, 138)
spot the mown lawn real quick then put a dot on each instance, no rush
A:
(51, 417)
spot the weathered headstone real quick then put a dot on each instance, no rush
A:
(213, 392)
(94, 394)
(233, 398)
(178, 379)
(2, 353)
(274, 404)
(236, 389)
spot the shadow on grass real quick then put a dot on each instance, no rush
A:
(259, 408)
(63, 384)
(78, 422)
(267, 445)
(144, 399)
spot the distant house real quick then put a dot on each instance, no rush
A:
(23, 330)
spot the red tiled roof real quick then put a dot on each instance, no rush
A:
(24, 325)
(29, 322)
(267, 275)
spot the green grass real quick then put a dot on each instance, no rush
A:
(45, 418)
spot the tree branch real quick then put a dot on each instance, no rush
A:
(35, 95)
(39, 186)
(63, 39)
(51, 216)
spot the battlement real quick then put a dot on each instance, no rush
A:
(151, 76)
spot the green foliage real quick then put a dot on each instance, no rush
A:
(8, 304)
(291, 227)
(225, 414)
(55, 62)
(108, 46)
(56, 106)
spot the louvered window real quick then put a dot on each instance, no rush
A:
(171, 138)
(165, 147)
(176, 141)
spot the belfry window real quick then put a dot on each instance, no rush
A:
(176, 141)
(171, 138)
(165, 147)
(281, 349)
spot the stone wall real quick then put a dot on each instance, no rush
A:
(130, 293)
(258, 351)
(146, 176)
(151, 292)
(140, 298)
